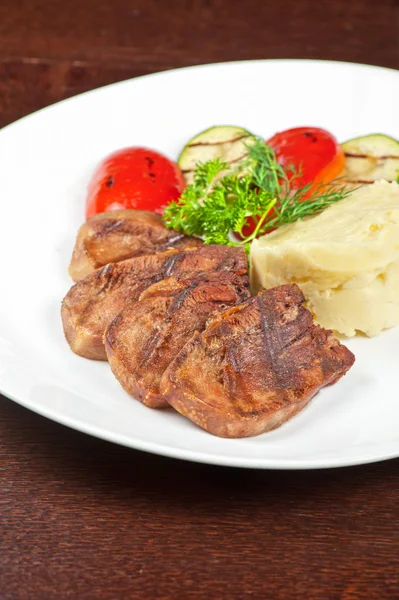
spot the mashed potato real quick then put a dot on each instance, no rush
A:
(346, 260)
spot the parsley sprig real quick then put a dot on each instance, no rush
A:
(221, 200)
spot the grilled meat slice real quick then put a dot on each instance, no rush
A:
(147, 335)
(254, 366)
(120, 234)
(93, 302)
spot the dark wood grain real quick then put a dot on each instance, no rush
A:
(50, 49)
(84, 519)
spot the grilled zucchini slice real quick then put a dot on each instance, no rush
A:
(226, 142)
(370, 158)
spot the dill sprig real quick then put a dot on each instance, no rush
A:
(220, 200)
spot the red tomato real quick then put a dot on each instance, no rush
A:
(314, 152)
(134, 178)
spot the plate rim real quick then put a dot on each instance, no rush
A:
(162, 449)
(198, 66)
(192, 455)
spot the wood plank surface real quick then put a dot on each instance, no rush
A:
(84, 519)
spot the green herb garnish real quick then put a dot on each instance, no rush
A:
(220, 201)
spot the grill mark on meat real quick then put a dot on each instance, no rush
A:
(235, 364)
(229, 263)
(114, 278)
(179, 299)
(92, 303)
(150, 332)
(109, 278)
(111, 227)
(172, 263)
(174, 239)
(140, 230)
(122, 234)
(249, 383)
(284, 368)
(273, 345)
(157, 339)
(270, 333)
(150, 348)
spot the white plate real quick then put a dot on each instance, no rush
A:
(45, 162)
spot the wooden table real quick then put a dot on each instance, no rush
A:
(84, 519)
